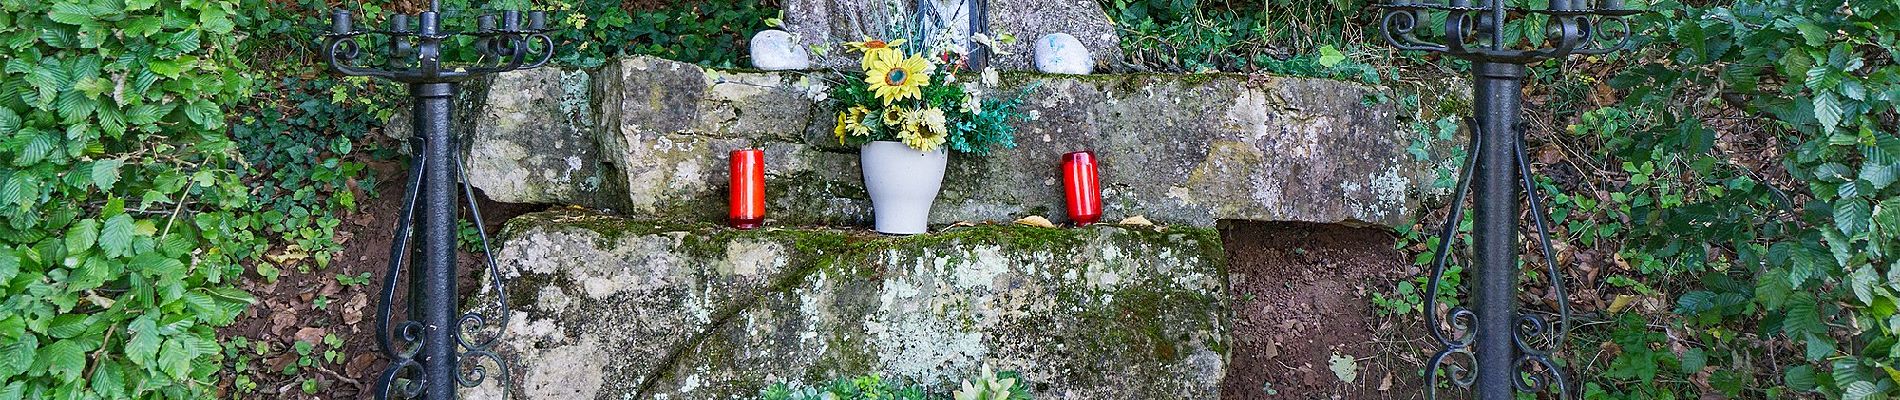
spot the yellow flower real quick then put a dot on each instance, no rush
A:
(918, 133)
(851, 123)
(897, 78)
(893, 116)
(875, 50)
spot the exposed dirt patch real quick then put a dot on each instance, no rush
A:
(1300, 299)
(287, 310)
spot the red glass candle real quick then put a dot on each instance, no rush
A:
(1082, 186)
(748, 189)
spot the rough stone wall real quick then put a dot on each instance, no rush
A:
(609, 308)
(649, 138)
(828, 23)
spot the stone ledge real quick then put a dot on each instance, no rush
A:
(648, 138)
(616, 308)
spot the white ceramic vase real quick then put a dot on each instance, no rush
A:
(903, 183)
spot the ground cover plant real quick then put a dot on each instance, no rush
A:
(1727, 202)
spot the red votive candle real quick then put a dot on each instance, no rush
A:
(1082, 186)
(748, 189)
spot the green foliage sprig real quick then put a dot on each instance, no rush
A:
(950, 110)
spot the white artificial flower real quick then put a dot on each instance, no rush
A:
(972, 98)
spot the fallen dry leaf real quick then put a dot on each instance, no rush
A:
(353, 310)
(1622, 301)
(359, 365)
(1136, 220)
(312, 335)
(1036, 221)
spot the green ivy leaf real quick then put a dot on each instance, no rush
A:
(144, 343)
(175, 359)
(1819, 347)
(1827, 110)
(9, 121)
(1862, 281)
(116, 237)
(70, 14)
(1887, 218)
(67, 326)
(1330, 56)
(1860, 390)
(204, 113)
(1802, 318)
(108, 379)
(1852, 216)
(1800, 377)
(64, 359)
(22, 190)
(105, 173)
(91, 274)
(1832, 172)
(17, 357)
(9, 264)
(156, 265)
(1773, 288)
(1693, 360)
(38, 146)
(82, 235)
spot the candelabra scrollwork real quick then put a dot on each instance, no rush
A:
(1480, 32)
(1500, 38)
(475, 338)
(1535, 337)
(414, 51)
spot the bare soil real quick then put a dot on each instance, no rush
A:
(1301, 297)
(287, 310)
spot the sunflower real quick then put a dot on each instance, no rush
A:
(851, 123)
(918, 131)
(897, 78)
(893, 116)
(874, 49)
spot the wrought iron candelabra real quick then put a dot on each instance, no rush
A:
(436, 347)
(1493, 348)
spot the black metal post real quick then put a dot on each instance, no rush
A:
(1495, 228)
(1494, 348)
(437, 299)
(438, 348)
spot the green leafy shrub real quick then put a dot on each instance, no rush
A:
(1812, 266)
(708, 33)
(122, 195)
(1300, 37)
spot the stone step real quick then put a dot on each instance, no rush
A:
(648, 138)
(608, 307)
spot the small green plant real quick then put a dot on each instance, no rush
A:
(986, 386)
(989, 386)
(468, 237)
(353, 280)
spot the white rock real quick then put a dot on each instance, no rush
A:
(1061, 53)
(775, 50)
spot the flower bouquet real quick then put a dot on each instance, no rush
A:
(906, 113)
